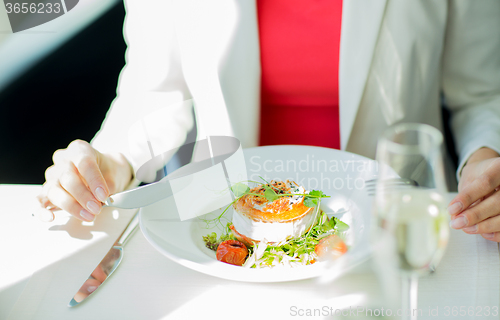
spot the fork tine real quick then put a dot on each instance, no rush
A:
(389, 184)
(395, 183)
(393, 180)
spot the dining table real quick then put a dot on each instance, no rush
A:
(44, 263)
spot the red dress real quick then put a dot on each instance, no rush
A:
(299, 53)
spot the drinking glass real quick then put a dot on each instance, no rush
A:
(410, 202)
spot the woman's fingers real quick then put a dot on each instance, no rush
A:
(44, 215)
(476, 208)
(491, 225)
(43, 199)
(75, 182)
(62, 199)
(481, 218)
(84, 158)
(80, 179)
(71, 181)
(479, 188)
(489, 229)
(492, 236)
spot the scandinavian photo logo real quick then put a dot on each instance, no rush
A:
(26, 14)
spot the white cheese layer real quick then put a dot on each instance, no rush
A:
(272, 231)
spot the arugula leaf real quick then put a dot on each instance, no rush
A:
(341, 226)
(311, 199)
(317, 193)
(211, 241)
(310, 202)
(270, 194)
(239, 189)
(333, 222)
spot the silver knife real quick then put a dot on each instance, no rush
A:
(140, 196)
(156, 191)
(107, 266)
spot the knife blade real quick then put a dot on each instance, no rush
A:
(148, 194)
(107, 266)
(140, 196)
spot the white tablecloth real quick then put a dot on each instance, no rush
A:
(43, 264)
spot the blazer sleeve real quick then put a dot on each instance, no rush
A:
(150, 114)
(471, 75)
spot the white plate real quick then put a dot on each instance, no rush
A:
(338, 174)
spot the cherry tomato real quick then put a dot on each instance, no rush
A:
(330, 247)
(232, 252)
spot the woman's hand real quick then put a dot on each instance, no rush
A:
(81, 179)
(476, 208)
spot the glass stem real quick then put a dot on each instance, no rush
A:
(409, 288)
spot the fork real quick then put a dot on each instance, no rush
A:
(371, 185)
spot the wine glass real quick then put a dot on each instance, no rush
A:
(410, 202)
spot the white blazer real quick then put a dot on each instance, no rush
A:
(396, 58)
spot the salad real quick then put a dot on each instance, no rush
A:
(277, 223)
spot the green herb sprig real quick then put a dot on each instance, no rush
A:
(212, 241)
(310, 199)
(240, 189)
(299, 250)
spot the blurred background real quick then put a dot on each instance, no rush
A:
(61, 88)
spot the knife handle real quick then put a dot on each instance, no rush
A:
(129, 230)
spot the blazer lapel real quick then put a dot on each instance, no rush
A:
(219, 45)
(361, 21)
(202, 38)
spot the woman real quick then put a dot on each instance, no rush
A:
(394, 60)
